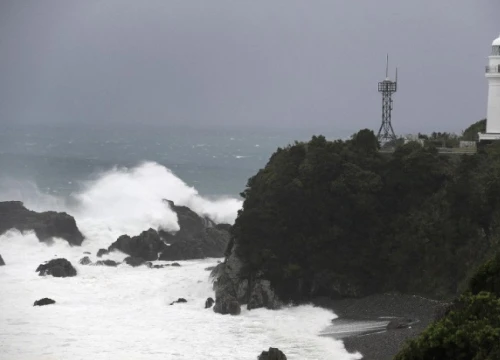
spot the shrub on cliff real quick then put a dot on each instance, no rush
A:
(470, 331)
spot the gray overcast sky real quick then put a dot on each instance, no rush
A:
(283, 63)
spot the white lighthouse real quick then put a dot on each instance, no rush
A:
(493, 76)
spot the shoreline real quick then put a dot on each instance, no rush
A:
(369, 317)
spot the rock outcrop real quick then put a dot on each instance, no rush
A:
(147, 245)
(272, 354)
(2, 263)
(232, 287)
(44, 301)
(57, 268)
(46, 225)
(134, 261)
(179, 300)
(209, 302)
(102, 252)
(198, 237)
(85, 261)
(106, 263)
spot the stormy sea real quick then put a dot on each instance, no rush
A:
(113, 181)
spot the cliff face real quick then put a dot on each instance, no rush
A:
(46, 225)
(233, 288)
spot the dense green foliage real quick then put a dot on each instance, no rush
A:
(471, 327)
(341, 219)
(470, 134)
(487, 277)
(470, 331)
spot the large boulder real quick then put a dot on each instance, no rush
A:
(134, 261)
(147, 245)
(46, 225)
(198, 237)
(209, 302)
(272, 354)
(2, 263)
(57, 268)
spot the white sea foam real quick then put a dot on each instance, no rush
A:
(124, 312)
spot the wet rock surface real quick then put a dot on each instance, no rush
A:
(179, 300)
(198, 237)
(134, 261)
(2, 263)
(230, 288)
(57, 268)
(46, 225)
(102, 252)
(147, 245)
(272, 354)
(209, 302)
(85, 261)
(44, 301)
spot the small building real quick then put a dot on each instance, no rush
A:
(467, 144)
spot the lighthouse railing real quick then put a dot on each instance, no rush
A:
(493, 69)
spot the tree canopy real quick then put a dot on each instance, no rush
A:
(339, 218)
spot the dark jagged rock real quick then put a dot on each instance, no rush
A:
(198, 237)
(85, 261)
(159, 266)
(179, 300)
(46, 225)
(44, 301)
(147, 245)
(134, 261)
(57, 268)
(209, 302)
(231, 287)
(102, 252)
(175, 264)
(2, 263)
(106, 263)
(272, 354)
(182, 251)
(227, 304)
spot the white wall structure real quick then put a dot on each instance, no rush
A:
(493, 76)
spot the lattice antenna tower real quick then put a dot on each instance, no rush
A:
(387, 88)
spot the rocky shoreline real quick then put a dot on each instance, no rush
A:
(385, 343)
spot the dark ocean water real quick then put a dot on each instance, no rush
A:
(216, 161)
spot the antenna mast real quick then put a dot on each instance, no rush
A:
(387, 88)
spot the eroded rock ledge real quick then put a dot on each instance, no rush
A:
(46, 225)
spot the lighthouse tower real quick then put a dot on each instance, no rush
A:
(493, 76)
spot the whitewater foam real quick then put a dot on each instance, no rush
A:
(124, 312)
